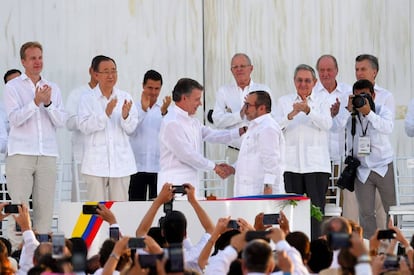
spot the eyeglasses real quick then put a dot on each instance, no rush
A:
(236, 67)
(247, 104)
(113, 72)
(306, 80)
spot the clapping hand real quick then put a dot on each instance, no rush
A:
(165, 104)
(126, 107)
(111, 106)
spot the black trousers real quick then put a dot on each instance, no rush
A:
(315, 186)
(140, 183)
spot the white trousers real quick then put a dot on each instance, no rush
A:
(107, 189)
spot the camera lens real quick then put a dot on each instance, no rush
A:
(358, 101)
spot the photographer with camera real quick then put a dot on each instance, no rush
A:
(372, 148)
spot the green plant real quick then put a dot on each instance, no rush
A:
(315, 211)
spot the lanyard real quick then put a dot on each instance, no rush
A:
(364, 132)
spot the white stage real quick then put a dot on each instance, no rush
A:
(129, 215)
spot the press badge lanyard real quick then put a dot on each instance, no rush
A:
(364, 142)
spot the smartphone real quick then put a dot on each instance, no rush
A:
(135, 243)
(175, 262)
(391, 262)
(43, 238)
(78, 262)
(149, 260)
(89, 209)
(233, 224)
(386, 234)
(17, 228)
(338, 240)
(168, 207)
(253, 235)
(270, 219)
(58, 245)
(11, 208)
(179, 189)
(114, 233)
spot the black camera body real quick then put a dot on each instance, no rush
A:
(359, 100)
(347, 177)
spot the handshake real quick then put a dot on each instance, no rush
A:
(223, 170)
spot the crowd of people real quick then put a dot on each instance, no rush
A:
(250, 247)
(128, 150)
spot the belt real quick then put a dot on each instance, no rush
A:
(234, 148)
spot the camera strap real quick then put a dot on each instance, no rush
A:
(353, 131)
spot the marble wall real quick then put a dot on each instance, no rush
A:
(196, 38)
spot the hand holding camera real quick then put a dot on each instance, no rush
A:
(362, 103)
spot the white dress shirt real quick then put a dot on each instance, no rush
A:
(32, 127)
(379, 126)
(108, 152)
(229, 102)
(261, 158)
(181, 147)
(386, 98)
(145, 139)
(409, 120)
(72, 105)
(306, 136)
(30, 243)
(337, 136)
(192, 253)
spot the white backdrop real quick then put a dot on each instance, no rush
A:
(196, 38)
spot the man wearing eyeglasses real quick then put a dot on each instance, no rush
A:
(228, 110)
(73, 125)
(305, 120)
(107, 116)
(259, 167)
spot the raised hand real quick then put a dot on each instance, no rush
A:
(301, 106)
(126, 107)
(165, 104)
(335, 108)
(145, 101)
(111, 106)
(43, 95)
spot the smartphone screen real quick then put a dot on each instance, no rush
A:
(270, 219)
(135, 243)
(338, 240)
(114, 233)
(233, 224)
(386, 234)
(179, 189)
(148, 260)
(42, 238)
(11, 208)
(89, 209)
(175, 262)
(58, 244)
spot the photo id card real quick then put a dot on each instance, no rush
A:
(364, 145)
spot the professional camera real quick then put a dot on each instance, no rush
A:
(347, 177)
(359, 100)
